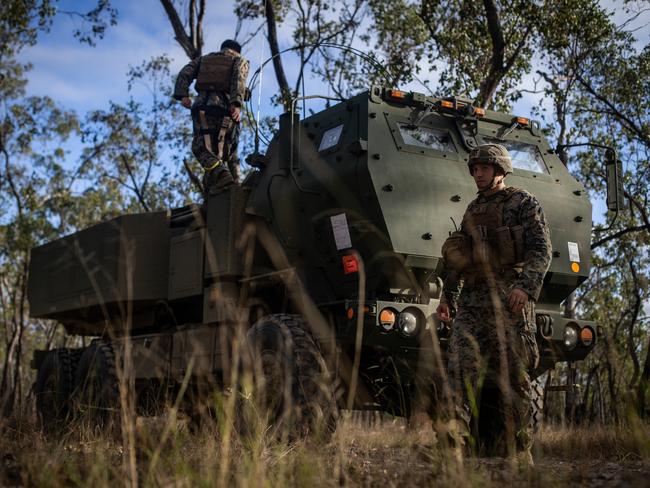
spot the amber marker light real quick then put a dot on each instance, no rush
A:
(387, 318)
(397, 94)
(523, 121)
(446, 104)
(575, 267)
(479, 112)
(587, 336)
(350, 313)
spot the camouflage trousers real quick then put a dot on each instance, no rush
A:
(216, 142)
(490, 355)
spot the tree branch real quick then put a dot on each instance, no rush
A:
(179, 30)
(630, 335)
(627, 122)
(135, 187)
(618, 234)
(272, 36)
(199, 27)
(495, 73)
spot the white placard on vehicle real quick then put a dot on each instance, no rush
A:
(341, 231)
(574, 253)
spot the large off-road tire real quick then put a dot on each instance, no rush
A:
(97, 394)
(285, 381)
(53, 389)
(537, 405)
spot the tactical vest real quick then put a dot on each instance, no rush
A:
(486, 244)
(215, 72)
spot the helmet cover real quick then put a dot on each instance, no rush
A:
(493, 154)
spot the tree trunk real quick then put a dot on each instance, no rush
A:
(644, 385)
(272, 37)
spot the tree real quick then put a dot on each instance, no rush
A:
(35, 188)
(140, 150)
(314, 24)
(32, 191)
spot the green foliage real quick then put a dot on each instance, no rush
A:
(138, 148)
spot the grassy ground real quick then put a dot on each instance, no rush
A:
(164, 452)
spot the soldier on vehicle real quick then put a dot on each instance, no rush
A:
(499, 258)
(216, 111)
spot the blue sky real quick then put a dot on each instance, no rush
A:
(83, 77)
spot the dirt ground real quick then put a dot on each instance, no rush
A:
(590, 457)
(400, 467)
(377, 454)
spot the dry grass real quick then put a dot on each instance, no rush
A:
(383, 453)
(597, 442)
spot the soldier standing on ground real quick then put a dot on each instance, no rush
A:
(499, 257)
(216, 111)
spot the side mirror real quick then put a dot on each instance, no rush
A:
(614, 175)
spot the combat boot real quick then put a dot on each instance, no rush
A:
(215, 180)
(224, 179)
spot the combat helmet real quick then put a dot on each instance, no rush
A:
(494, 154)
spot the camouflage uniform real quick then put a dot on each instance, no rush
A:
(221, 128)
(490, 347)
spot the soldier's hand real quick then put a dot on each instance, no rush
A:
(235, 113)
(444, 312)
(186, 102)
(517, 300)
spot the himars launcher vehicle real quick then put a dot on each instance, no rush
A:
(327, 257)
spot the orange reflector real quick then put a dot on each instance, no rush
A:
(350, 264)
(446, 104)
(397, 94)
(387, 318)
(522, 121)
(575, 267)
(479, 112)
(587, 336)
(350, 313)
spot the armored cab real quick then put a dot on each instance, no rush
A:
(328, 256)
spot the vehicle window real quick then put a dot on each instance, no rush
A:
(331, 137)
(524, 156)
(428, 137)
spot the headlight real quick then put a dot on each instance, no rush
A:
(387, 319)
(407, 322)
(570, 336)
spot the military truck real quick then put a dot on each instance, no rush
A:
(324, 267)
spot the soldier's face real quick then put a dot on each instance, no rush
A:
(483, 175)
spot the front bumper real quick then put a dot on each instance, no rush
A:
(551, 328)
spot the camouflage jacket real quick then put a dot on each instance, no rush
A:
(520, 209)
(221, 99)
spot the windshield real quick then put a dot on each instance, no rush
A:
(524, 156)
(426, 137)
